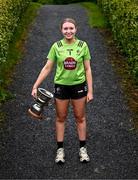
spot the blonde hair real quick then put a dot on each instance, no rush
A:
(68, 20)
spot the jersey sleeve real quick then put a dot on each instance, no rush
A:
(87, 55)
(52, 53)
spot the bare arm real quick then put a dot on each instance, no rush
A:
(43, 74)
(89, 80)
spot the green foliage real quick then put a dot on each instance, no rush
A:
(10, 13)
(5, 95)
(123, 18)
(15, 49)
(44, 1)
(96, 18)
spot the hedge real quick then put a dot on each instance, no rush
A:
(123, 18)
(10, 12)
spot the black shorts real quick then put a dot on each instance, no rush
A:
(70, 92)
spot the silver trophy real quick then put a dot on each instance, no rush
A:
(42, 99)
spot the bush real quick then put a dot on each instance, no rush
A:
(43, 1)
(11, 11)
(123, 15)
(15, 49)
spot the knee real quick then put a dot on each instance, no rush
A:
(80, 118)
(61, 118)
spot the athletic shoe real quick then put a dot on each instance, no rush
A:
(60, 156)
(83, 155)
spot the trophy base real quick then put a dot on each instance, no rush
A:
(34, 114)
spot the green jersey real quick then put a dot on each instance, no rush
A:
(70, 61)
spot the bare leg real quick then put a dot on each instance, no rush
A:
(79, 113)
(61, 114)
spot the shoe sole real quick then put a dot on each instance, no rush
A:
(60, 162)
(84, 161)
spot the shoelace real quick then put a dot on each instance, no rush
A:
(83, 153)
(60, 153)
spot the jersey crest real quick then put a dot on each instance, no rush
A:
(70, 63)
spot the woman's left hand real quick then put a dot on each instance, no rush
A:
(89, 97)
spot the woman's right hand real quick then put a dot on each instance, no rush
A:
(34, 92)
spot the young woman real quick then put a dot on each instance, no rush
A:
(73, 84)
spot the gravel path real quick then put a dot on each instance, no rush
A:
(28, 147)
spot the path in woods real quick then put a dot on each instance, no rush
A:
(28, 147)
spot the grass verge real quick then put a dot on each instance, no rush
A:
(16, 49)
(96, 18)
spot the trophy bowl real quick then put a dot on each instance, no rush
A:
(42, 99)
